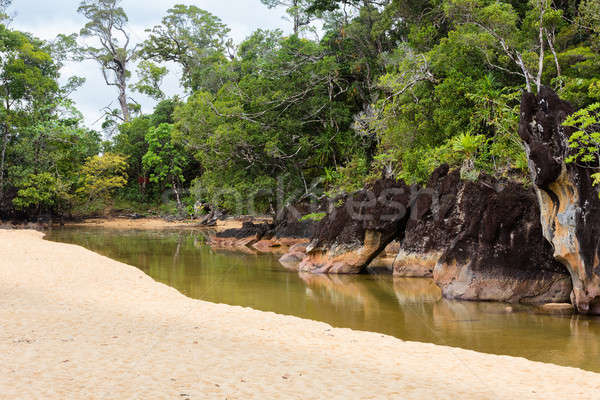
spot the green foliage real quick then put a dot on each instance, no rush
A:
(102, 175)
(164, 159)
(392, 88)
(151, 76)
(193, 38)
(349, 178)
(284, 116)
(467, 144)
(589, 16)
(581, 75)
(42, 144)
(316, 217)
(131, 142)
(585, 140)
(37, 190)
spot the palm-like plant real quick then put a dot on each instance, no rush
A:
(467, 145)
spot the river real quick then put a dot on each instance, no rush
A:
(407, 308)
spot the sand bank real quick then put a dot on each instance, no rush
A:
(153, 223)
(74, 324)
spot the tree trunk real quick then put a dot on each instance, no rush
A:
(550, 39)
(2, 161)
(123, 98)
(179, 205)
(525, 72)
(538, 81)
(296, 17)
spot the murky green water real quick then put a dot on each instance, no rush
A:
(410, 309)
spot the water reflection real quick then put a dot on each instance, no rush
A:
(408, 308)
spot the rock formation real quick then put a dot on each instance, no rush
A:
(495, 248)
(479, 240)
(485, 240)
(355, 232)
(569, 205)
(278, 237)
(429, 231)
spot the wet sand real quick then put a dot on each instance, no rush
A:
(74, 324)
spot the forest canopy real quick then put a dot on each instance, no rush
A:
(356, 90)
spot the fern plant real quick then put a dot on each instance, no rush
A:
(585, 141)
(467, 145)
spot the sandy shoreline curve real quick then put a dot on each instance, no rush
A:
(150, 223)
(159, 223)
(77, 325)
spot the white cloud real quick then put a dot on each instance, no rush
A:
(46, 19)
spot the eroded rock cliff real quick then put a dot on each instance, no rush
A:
(569, 205)
(494, 248)
(479, 240)
(357, 230)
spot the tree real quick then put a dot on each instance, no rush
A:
(27, 78)
(518, 36)
(283, 116)
(107, 25)
(332, 5)
(102, 175)
(193, 38)
(589, 16)
(297, 9)
(151, 76)
(38, 191)
(165, 160)
(130, 142)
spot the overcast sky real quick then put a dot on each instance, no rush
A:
(47, 18)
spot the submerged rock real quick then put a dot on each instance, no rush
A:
(569, 204)
(242, 238)
(557, 308)
(294, 256)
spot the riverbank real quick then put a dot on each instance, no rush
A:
(159, 223)
(139, 223)
(79, 325)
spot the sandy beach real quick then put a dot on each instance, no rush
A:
(127, 223)
(77, 325)
(159, 223)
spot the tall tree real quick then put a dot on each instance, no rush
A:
(193, 38)
(297, 9)
(107, 25)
